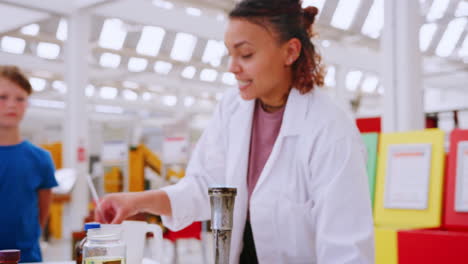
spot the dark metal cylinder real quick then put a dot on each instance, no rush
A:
(222, 209)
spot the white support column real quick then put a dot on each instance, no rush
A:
(76, 136)
(401, 67)
(341, 93)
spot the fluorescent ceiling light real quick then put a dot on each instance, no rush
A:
(184, 45)
(189, 72)
(137, 64)
(48, 50)
(426, 34)
(150, 41)
(437, 10)
(89, 90)
(208, 75)
(373, 25)
(109, 60)
(112, 34)
(229, 78)
(13, 45)
(60, 86)
(193, 11)
(62, 30)
(129, 95)
(330, 77)
(107, 92)
(170, 100)
(451, 36)
(345, 13)
(162, 67)
(31, 30)
(352, 80)
(37, 84)
(214, 52)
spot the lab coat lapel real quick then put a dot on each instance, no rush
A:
(240, 128)
(293, 119)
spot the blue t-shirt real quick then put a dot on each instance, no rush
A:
(24, 169)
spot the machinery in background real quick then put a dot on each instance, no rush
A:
(140, 157)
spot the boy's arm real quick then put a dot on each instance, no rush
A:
(45, 199)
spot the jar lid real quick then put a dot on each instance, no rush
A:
(10, 255)
(91, 225)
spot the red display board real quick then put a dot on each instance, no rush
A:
(452, 219)
(432, 246)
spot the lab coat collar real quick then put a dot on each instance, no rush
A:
(294, 114)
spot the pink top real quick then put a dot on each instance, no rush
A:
(265, 129)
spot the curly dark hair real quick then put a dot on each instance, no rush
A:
(288, 20)
(14, 75)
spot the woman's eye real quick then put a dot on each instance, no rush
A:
(20, 99)
(247, 56)
(3, 97)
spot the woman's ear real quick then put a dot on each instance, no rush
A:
(293, 51)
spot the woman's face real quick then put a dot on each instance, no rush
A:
(13, 103)
(257, 60)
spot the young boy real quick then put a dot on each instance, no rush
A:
(26, 172)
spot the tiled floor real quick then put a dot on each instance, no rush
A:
(189, 251)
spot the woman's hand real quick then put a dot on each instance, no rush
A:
(116, 207)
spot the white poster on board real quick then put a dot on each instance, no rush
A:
(408, 174)
(175, 150)
(461, 182)
(114, 152)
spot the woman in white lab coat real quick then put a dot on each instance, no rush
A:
(296, 159)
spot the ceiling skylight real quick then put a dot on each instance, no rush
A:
(60, 86)
(37, 84)
(137, 64)
(163, 4)
(62, 30)
(184, 45)
(214, 52)
(112, 34)
(370, 84)
(189, 72)
(344, 13)
(13, 45)
(426, 34)
(374, 22)
(129, 95)
(229, 78)
(110, 60)
(48, 50)
(330, 77)
(150, 41)
(208, 75)
(450, 38)
(352, 80)
(31, 30)
(193, 11)
(170, 100)
(189, 101)
(162, 67)
(437, 10)
(107, 92)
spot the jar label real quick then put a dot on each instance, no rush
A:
(95, 260)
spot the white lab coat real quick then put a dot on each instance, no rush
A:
(311, 203)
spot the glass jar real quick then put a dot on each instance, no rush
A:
(10, 256)
(78, 253)
(104, 246)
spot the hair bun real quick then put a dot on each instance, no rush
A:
(309, 17)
